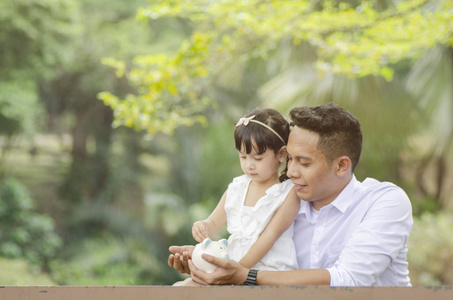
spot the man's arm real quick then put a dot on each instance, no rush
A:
(294, 277)
(377, 242)
(231, 272)
(180, 258)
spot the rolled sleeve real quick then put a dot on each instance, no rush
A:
(340, 277)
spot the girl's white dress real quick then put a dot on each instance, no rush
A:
(245, 224)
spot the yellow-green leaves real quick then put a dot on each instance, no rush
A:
(356, 40)
(169, 89)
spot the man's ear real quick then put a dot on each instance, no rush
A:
(342, 165)
(282, 154)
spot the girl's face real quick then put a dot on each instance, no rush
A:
(261, 168)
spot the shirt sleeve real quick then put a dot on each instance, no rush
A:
(378, 240)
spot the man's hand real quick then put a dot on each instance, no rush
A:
(228, 272)
(180, 258)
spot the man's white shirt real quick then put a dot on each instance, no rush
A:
(360, 238)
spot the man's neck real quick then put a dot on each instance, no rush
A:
(317, 205)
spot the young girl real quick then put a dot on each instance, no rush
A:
(258, 207)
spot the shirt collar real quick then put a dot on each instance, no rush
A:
(305, 208)
(342, 202)
(344, 199)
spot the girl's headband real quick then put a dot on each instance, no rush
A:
(245, 122)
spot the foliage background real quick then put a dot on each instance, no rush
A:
(116, 120)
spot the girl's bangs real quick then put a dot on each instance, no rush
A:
(243, 137)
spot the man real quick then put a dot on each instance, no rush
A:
(347, 233)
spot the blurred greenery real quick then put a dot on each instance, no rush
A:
(431, 249)
(19, 272)
(116, 120)
(23, 233)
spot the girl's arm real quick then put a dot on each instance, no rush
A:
(280, 222)
(212, 225)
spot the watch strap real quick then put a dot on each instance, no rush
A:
(251, 277)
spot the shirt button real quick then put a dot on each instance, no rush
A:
(315, 251)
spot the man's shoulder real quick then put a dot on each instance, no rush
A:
(373, 185)
(374, 191)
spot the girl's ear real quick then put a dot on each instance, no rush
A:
(282, 154)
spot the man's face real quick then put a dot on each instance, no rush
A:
(314, 179)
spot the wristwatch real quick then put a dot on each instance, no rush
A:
(251, 277)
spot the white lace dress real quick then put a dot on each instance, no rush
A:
(245, 224)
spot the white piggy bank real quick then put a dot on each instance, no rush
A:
(214, 248)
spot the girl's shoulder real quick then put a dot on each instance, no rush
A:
(281, 188)
(239, 183)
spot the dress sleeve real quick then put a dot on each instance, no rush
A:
(378, 240)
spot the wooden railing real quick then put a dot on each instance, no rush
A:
(223, 292)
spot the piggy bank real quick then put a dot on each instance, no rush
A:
(214, 248)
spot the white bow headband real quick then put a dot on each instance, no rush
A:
(245, 122)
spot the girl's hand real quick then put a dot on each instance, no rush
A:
(200, 230)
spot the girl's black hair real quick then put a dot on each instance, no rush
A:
(263, 137)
